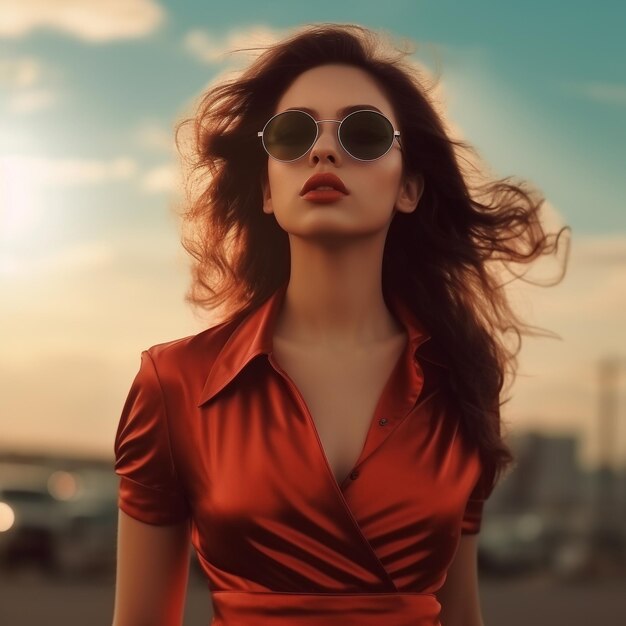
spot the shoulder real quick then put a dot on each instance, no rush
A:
(178, 358)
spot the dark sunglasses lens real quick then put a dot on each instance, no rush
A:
(367, 135)
(289, 135)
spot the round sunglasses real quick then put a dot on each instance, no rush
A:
(365, 135)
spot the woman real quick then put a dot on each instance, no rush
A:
(329, 446)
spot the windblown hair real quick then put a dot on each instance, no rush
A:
(442, 258)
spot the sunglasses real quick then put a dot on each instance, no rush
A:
(365, 135)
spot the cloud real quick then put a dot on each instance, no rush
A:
(594, 250)
(24, 78)
(31, 100)
(163, 178)
(153, 135)
(26, 185)
(210, 48)
(20, 73)
(94, 21)
(79, 257)
(604, 93)
(20, 170)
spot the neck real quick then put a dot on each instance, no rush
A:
(334, 299)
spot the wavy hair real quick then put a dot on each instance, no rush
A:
(442, 258)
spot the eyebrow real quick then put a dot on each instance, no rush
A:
(344, 110)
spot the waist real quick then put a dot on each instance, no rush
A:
(245, 608)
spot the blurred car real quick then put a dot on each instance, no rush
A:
(62, 521)
(30, 517)
(85, 544)
(512, 544)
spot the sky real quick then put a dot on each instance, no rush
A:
(91, 268)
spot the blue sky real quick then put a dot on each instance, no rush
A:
(88, 99)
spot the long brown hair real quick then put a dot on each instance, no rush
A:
(441, 258)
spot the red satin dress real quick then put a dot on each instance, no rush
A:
(213, 431)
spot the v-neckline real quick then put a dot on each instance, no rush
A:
(311, 421)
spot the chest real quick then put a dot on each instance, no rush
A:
(341, 393)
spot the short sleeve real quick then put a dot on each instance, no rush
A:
(472, 516)
(149, 489)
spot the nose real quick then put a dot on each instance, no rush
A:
(327, 144)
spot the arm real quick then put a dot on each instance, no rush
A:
(459, 597)
(152, 573)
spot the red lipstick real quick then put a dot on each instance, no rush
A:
(325, 179)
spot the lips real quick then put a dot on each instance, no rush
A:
(324, 180)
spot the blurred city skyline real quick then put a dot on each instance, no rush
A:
(91, 268)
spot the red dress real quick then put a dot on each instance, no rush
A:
(213, 431)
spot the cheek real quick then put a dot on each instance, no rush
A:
(381, 182)
(277, 178)
(269, 176)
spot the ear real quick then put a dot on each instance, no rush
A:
(410, 193)
(267, 197)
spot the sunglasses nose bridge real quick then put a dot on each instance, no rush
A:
(333, 130)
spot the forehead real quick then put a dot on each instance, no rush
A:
(327, 89)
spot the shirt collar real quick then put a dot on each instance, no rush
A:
(253, 336)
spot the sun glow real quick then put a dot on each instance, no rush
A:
(19, 210)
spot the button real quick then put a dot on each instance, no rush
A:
(354, 474)
(383, 421)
